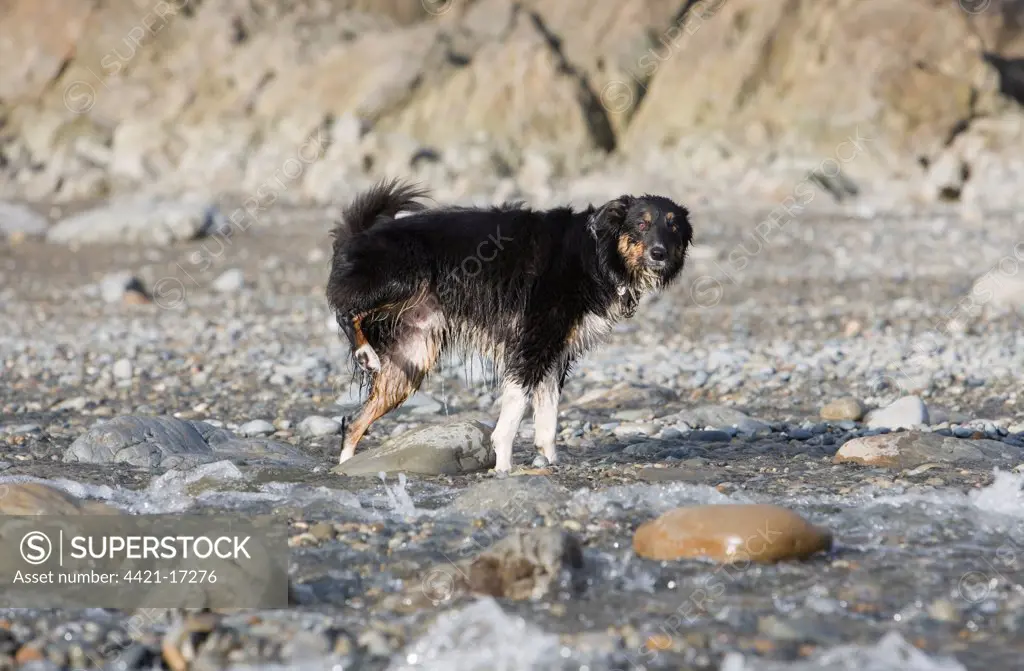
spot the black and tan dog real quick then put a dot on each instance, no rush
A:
(531, 289)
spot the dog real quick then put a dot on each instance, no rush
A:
(533, 290)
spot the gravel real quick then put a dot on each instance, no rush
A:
(713, 393)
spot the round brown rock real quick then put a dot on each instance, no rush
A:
(32, 498)
(730, 533)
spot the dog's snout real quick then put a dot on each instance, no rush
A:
(657, 252)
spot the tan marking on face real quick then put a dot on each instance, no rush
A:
(632, 253)
(669, 216)
(646, 217)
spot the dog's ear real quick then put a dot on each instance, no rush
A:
(609, 216)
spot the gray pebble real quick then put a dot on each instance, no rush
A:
(122, 369)
(256, 427)
(316, 426)
(229, 281)
(712, 436)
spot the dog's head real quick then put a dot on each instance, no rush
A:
(650, 235)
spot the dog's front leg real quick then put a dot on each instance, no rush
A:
(545, 417)
(513, 406)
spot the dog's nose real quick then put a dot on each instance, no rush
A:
(657, 253)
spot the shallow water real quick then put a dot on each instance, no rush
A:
(915, 566)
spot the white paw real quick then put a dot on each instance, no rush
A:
(367, 359)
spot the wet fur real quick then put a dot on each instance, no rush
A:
(533, 290)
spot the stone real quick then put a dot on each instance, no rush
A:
(913, 448)
(721, 417)
(316, 426)
(168, 442)
(730, 533)
(526, 564)
(1000, 290)
(33, 498)
(903, 413)
(138, 220)
(843, 409)
(19, 222)
(122, 369)
(444, 449)
(710, 436)
(119, 286)
(229, 281)
(625, 396)
(515, 501)
(256, 427)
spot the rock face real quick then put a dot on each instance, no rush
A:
(166, 442)
(912, 448)
(447, 449)
(32, 498)
(730, 533)
(192, 98)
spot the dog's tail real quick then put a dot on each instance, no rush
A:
(383, 200)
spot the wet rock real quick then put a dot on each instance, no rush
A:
(913, 448)
(711, 436)
(526, 564)
(721, 417)
(18, 222)
(168, 442)
(903, 413)
(32, 498)
(256, 427)
(315, 426)
(447, 449)
(137, 220)
(730, 533)
(843, 409)
(514, 500)
(229, 281)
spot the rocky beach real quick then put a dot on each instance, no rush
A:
(808, 454)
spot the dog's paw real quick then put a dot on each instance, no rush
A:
(367, 359)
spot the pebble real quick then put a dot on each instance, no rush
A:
(846, 408)
(904, 413)
(229, 281)
(709, 436)
(799, 434)
(256, 427)
(122, 369)
(121, 287)
(316, 426)
(729, 533)
(635, 428)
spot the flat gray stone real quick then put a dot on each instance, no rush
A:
(316, 426)
(721, 417)
(513, 501)
(167, 442)
(910, 449)
(18, 219)
(139, 220)
(256, 427)
(445, 449)
(903, 413)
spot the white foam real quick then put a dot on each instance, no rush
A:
(654, 498)
(891, 653)
(480, 637)
(398, 497)
(1004, 496)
